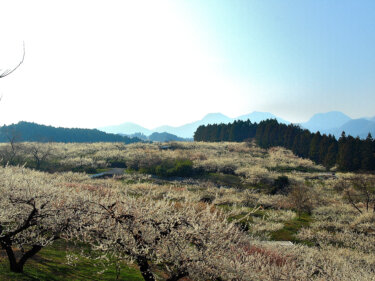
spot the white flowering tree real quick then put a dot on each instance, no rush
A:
(183, 238)
(35, 211)
(360, 193)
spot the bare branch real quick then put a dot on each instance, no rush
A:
(10, 70)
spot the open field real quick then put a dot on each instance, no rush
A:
(201, 211)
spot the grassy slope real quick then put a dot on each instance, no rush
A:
(291, 228)
(50, 264)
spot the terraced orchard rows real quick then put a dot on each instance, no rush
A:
(198, 211)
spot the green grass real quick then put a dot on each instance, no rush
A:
(102, 170)
(291, 228)
(224, 179)
(50, 264)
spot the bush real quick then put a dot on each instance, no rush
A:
(302, 199)
(117, 164)
(280, 185)
(208, 198)
(183, 168)
(171, 168)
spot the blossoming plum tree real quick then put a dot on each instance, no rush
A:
(35, 211)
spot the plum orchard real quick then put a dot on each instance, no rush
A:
(163, 228)
(185, 238)
(247, 161)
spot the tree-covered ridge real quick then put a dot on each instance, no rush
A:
(26, 131)
(348, 153)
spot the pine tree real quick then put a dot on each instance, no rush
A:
(357, 147)
(331, 156)
(323, 148)
(305, 143)
(345, 152)
(314, 147)
(367, 154)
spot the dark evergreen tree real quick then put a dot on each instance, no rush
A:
(315, 147)
(305, 141)
(357, 157)
(368, 154)
(330, 158)
(345, 152)
(323, 148)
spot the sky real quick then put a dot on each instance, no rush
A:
(96, 63)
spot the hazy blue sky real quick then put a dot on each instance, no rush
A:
(95, 63)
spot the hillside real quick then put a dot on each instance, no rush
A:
(158, 137)
(26, 131)
(266, 212)
(348, 153)
(164, 137)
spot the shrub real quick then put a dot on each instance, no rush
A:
(117, 163)
(302, 199)
(208, 198)
(182, 168)
(280, 185)
(171, 168)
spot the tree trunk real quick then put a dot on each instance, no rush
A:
(32, 252)
(18, 266)
(144, 267)
(12, 259)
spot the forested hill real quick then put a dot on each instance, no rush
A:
(348, 153)
(26, 131)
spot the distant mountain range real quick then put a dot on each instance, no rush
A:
(127, 128)
(256, 117)
(333, 122)
(357, 127)
(187, 130)
(325, 122)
